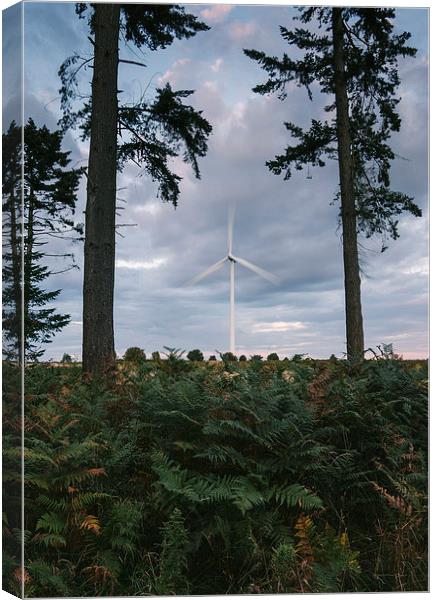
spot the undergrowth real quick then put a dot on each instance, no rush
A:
(179, 477)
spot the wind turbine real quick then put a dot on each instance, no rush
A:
(233, 260)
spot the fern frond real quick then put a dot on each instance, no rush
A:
(53, 540)
(91, 523)
(295, 495)
(52, 522)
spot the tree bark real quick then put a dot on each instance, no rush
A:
(99, 251)
(27, 264)
(17, 272)
(352, 281)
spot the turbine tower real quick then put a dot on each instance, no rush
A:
(233, 260)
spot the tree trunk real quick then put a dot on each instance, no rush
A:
(352, 281)
(17, 273)
(99, 254)
(28, 252)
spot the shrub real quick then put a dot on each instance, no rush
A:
(155, 356)
(273, 356)
(66, 358)
(174, 362)
(256, 357)
(195, 355)
(242, 358)
(173, 353)
(212, 358)
(135, 355)
(229, 357)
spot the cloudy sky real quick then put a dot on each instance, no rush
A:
(287, 227)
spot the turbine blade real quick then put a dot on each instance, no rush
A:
(208, 271)
(231, 213)
(265, 274)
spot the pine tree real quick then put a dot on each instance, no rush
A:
(11, 241)
(354, 59)
(148, 133)
(44, 210)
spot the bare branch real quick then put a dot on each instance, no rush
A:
(132, 62)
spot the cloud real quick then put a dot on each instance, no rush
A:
(242, 30)
(286, 227)
(217, 65)
(421, 267)
(216, 13)
(155, 263)
(171, 74)
(278, 326)
(150, 208)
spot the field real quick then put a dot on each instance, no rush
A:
(174, 477)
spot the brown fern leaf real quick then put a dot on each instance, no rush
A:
(410, 458)
(288, 376)
(96, 471)
(304, 527)
(396, 502)
(22, 575)
(91, 523)
(98, 573)
(318, 387)
(65, 391)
